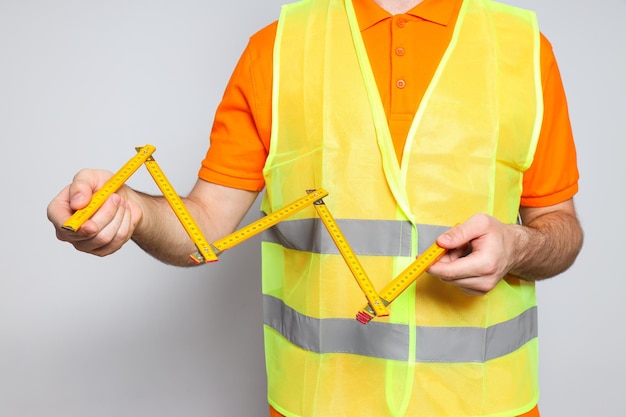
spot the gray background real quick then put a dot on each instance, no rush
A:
(83, 82)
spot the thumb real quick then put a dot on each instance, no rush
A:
(454, 237)
(84, 185)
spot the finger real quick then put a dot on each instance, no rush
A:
(109, 214)
(474, 286)
(453, 254)
(463, 233)
(59, 210)
(109, 229)
(93, 226)
(80, 193)
(122, 233)
(455, 268)
(455, 237)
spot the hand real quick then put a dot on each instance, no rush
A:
(491, 247)
(109, 228)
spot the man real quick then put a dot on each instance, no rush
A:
(415, 115)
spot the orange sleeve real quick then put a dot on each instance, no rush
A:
(241, 129)
(553, 176)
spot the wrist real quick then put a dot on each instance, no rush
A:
(525, 241)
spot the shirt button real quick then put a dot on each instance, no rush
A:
(400, 83)
(399, 51)
(401, 23)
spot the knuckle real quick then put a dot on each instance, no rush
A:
(445, 276)
(103, 238)
(491, 268)
(483, 220)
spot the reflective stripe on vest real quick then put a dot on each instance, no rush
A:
(366, 237)
(390, 341)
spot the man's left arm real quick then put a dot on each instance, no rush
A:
(544, 245)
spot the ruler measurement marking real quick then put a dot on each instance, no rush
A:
(351, 260)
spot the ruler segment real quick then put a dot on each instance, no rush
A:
(112, 185)
(394, 288)
(351, 260)
(268, 221)
(204, 253)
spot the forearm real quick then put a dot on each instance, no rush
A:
(217, 211)
(160, 233)
(546, 245)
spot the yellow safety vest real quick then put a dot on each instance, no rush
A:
(440, 352)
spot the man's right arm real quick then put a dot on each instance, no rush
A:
(147, 220)
(239, 145)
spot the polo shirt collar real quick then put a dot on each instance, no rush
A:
(437, 11)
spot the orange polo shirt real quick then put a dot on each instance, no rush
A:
(407, 49)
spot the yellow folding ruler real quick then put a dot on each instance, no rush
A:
(207, 252)
(392, 290)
